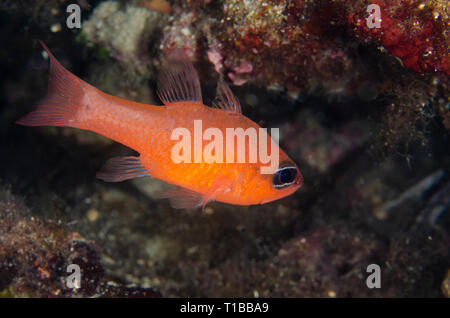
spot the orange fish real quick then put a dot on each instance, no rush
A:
(148, 129)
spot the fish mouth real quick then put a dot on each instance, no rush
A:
(299, 179)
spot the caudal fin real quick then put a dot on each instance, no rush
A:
(64, 97)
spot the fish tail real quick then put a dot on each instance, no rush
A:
(64, 97)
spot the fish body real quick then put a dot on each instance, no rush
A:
(148, 129)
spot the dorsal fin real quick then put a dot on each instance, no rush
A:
(178, 81)
(225, 98)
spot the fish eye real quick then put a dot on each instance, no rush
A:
(284, 177)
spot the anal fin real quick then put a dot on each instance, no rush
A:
(122, 168)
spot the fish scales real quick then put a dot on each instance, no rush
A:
(148, 130)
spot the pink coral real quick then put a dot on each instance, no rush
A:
(215, 58)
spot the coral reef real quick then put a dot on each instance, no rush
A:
(303, 48)
(365, 113)
(414, 31)
(124, 31)
(35, 255)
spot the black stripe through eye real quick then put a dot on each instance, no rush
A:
(284, 177)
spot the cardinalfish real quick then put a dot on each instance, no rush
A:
(148, 129)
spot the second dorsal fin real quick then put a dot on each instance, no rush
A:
(178, 81)
(225, 98)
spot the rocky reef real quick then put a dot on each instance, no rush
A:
(297, 47)
(35, 255)
(365, 113)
